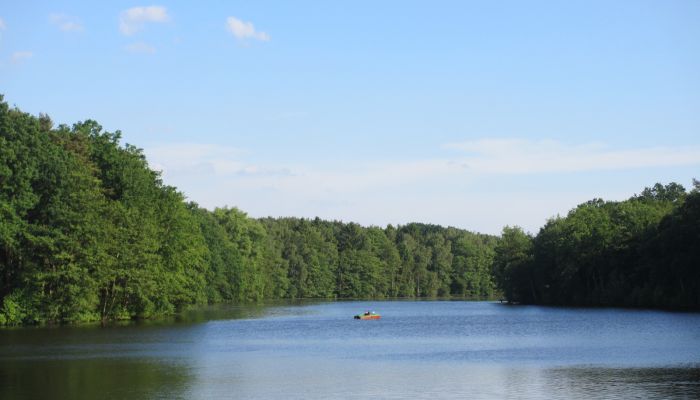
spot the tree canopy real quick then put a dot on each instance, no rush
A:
(641, 252)
(89, 232)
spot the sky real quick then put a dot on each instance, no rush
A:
(473, 114)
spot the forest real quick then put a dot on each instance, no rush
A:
(641, 252)
(89, 232)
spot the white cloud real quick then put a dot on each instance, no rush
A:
(20, 56)
(244, 30)
(185, 158)
(454, 189)
(509, 156)
(189, 157)
(134, 19)
(2, 25)
(140, 48)
(517, 156)
(66, 23)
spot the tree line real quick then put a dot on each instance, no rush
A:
(88, 232)
(641, 252)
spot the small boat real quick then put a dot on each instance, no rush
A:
(368, 315)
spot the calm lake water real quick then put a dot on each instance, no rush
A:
(419, 349)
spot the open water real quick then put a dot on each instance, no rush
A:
(316, 350)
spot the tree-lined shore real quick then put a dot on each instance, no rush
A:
(641, 252)
(88, 232)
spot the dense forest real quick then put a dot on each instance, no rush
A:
(88, 232)
(641, 252)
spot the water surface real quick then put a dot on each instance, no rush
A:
(419, 349)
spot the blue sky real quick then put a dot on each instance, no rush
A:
(470, 114)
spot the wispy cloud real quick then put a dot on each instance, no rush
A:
(517, 156)
(448, 189)
(484, 157)
(2, 25)
(242, 30)
(226, 162)
(134, 19)
(210, 159)
(66, 23)
(140, 48)
(20, 56)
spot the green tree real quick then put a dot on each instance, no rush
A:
(512, 264)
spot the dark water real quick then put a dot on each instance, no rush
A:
(430, 349)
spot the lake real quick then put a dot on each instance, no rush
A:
(316, 350)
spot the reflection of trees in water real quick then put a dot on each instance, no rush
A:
(244, 311)
(93, 379)
(641, 383)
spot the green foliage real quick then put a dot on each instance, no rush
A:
(512, 259)
(89, 232)
(16, 308)
(472, 265)
(245, 246)
(641, 252)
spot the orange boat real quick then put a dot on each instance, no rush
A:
(368, 315)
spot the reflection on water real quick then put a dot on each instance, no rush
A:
(93, 379)
(628, 383)
(317, 351)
